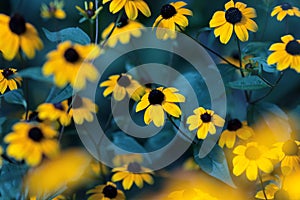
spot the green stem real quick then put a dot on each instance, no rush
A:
(262, 185)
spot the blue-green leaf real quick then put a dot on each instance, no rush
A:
(248, 83)
(62, 95)
(34, 73)
(15, 97)
(73, 34)
(127, 143)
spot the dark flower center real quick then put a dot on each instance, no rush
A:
(90, 13)
(17, 24)
(234, 125)
(35, 134)
(71, 55)
(290, 148)
(233, 15)
(123, 81)
(249, 66)
(77, 103)
(293, 47)
(34, 117)
(286, 6)
(110, 191)
(156, 97)
(7, 73)
(122, 22)
(134, 167)
(205, 117)
(281, 195)
(168, 11)
(235, 55)
(59, 106)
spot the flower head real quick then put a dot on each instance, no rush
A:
(17, 34)
(53, 9)
(131, 7)
(237, 18)
(56, 111)
(251, 158)
(272, 191)
(7, 81)
(132, 173)
(83, 109)
(158, 100)
(235, 128)
(285, 54)
(172, 17)
(285, 9)
(89, 12)
(71, 63)
(122, 31)
(32, 141)
(205, 120)
(109, 191)
(120, 85)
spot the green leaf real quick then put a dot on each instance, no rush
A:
(248, 83)
(256, 48)
(127, 143)
(261, 61)
(2, 120)
(73, 34)
(214, 164)
(34, 73)
(62, 95)
(15, 97)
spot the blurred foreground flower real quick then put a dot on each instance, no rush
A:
(285, 9)
(53, 9)
(191, 194)
(285, 54)
(70, 63)
(237, 18)
(122, 31)
(32, 141)
(51, 176)
(109, 191)
(157, 102)
(17, 34)
(7, 81)
(88, 13)
(131, 7)
(172, 18)
(83, 109)
(206, 121)
(124, 159)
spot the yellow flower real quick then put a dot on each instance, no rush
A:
(190, 165)
(270, 191)
(8, 82)
(120, 85)
(53, 175)
(17, 34)
(59, 197)
(158, 100)
(190, 194)
(83, 109)
(57, 111)
(285, 9)
(132, 173)
(109, 191)
(89, 12)
(251, 158)
(122, 31)
(289, 154)
(286, 54)
(205, 120)
(235, 128)
(71, 63)
(237, 18)
(172, 17)
(32, 141)
(54, 9)
(99, 168)
(131, 7)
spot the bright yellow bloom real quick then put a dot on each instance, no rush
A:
(237, 18)
(285, 9)
(54, 9)
(190, 194)
(132, 173)
(83, 109)
(53, 112)
(158, 100)
(109, 191)
(120, 85)
(32, 141)
(251, 158)
(270, 190)
(8, 82)
(71, 63)
(89, 12)
(131, 7)
(289, 154)
(122, 31)
(172, 18)
(206, 121)
(285, 54)
(17, 34)
(235, 128)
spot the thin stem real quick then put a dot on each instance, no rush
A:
(183, 133)
(92, 33)
(26, 86)
(97, 23)
(62, 128)
(262, 185)
(265, 80)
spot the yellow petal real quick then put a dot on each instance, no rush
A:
(119, 93)
(143, 7)
(157, 115)
(172, 109)
(131, 10)
(226, 33)
(241, 32)
(251, 172)
(218, 19)
(229, 4)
